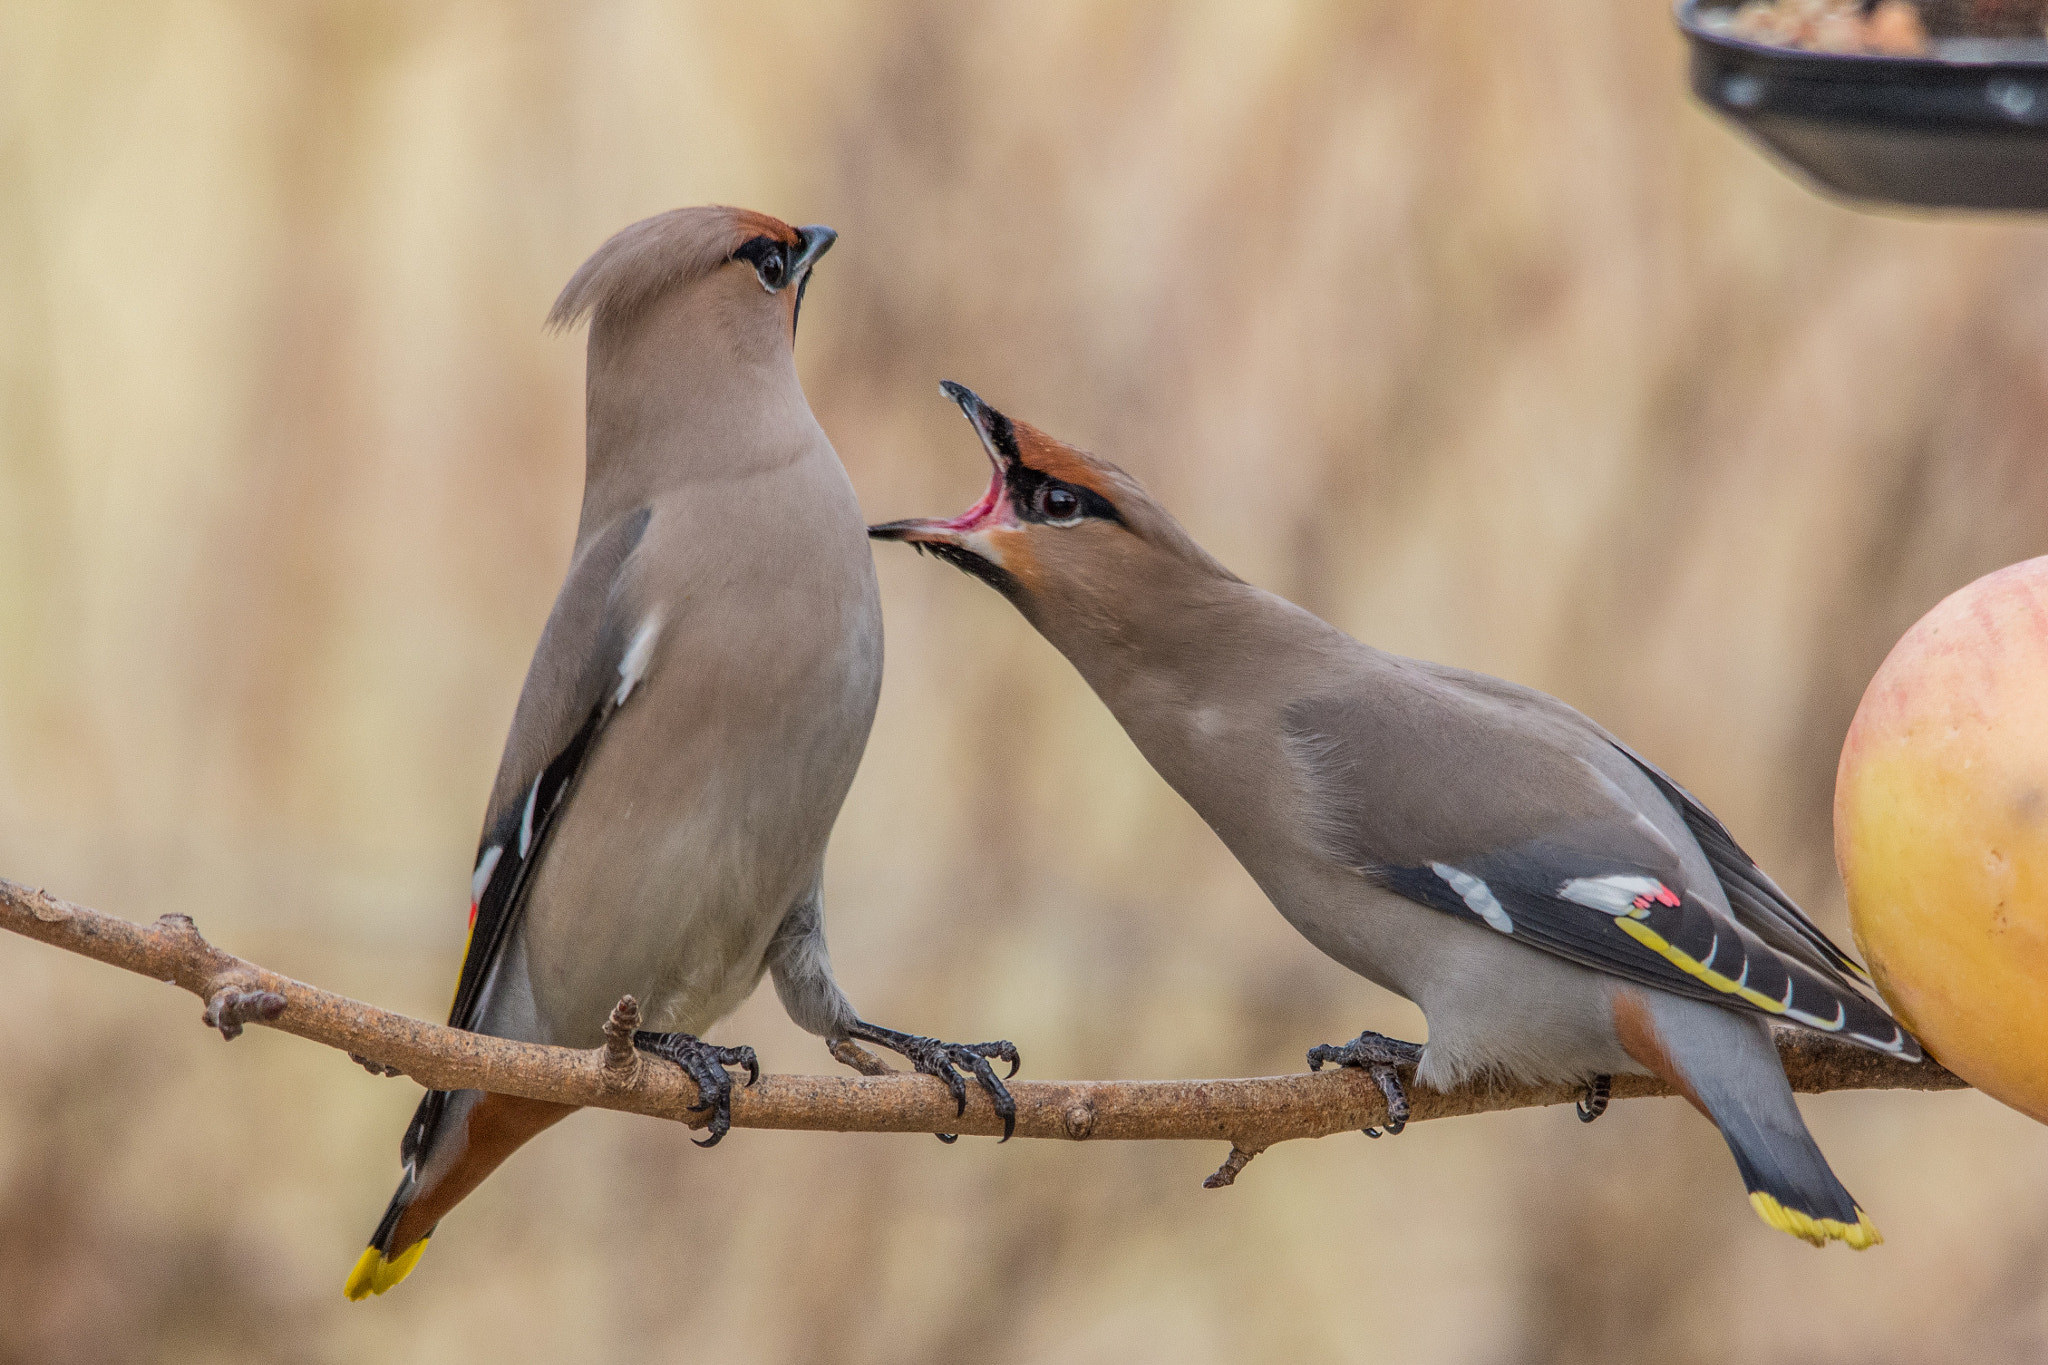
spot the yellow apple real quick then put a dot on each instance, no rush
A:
(1941, 832)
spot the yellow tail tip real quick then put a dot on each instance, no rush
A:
(374, 1274)
(1862, 1234)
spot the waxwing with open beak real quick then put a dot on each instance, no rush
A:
(1559, 908)
(691, 720)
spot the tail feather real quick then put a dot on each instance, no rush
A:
(375, 1272)
(1862, 1234)
(456, 1138)
(1726, 1064)
(1790, 1185)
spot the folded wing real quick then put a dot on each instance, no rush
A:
(1502, 813)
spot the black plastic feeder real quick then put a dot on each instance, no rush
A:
(1965, 127)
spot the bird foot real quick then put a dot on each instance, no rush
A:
(1379, 1057)
(944, 1060)
(1595, 1102)
(705, 1064)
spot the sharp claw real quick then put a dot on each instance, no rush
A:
(1594, 1103)
(1379, 1057)
(1005, 1106)
(948, 1138)
(958, 1085)
(721, 1113)
(705, 1066)
(1397, 1099)
(947, 1061)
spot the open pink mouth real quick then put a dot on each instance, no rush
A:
(993, 507)
(993, 510)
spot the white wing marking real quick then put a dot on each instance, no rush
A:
(1613, 895)
(526, 820)
(633, 666)
(484, 867)
(1477, 895)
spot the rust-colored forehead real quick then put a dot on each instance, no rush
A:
(747, 225)
(1061, 461)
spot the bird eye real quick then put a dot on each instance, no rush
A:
(770, 262)
(1057, 503)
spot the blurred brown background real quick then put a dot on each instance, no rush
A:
(1459, 324)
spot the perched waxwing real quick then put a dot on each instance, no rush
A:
(1559, 908)
(692, 718)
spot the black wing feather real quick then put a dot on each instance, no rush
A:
(497, 911)
(593, 628)
(521, 833)
(519, 830)
(1662, 938)
(1766, 909)
(505, 894)
(1480, 799)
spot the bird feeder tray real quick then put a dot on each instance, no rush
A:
(1963, 127)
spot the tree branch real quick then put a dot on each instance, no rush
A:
(1250, 1114)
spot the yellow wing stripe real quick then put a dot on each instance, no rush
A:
(1862, 1235)
(374, 1273)
(1728, 985)
(1692, 966)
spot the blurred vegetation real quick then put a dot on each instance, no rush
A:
(1459, 324)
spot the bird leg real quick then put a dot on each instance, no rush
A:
(935, 1058)
(1595, 1102)
(1379, 1056)
(705, 1064)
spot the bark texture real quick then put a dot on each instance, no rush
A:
(1250, 1114)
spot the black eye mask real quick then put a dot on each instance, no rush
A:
(769, 259)
(1029, 490)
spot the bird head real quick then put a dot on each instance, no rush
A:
(692, 356)
(754, 269)
(782, 257)
(1058, 530)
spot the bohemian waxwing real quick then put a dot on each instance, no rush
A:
(692, 717)
(1558, 907)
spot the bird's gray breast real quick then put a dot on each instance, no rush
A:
(704, 814)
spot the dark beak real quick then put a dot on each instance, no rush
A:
(907, 529)
(998, 438)
(817, 240)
